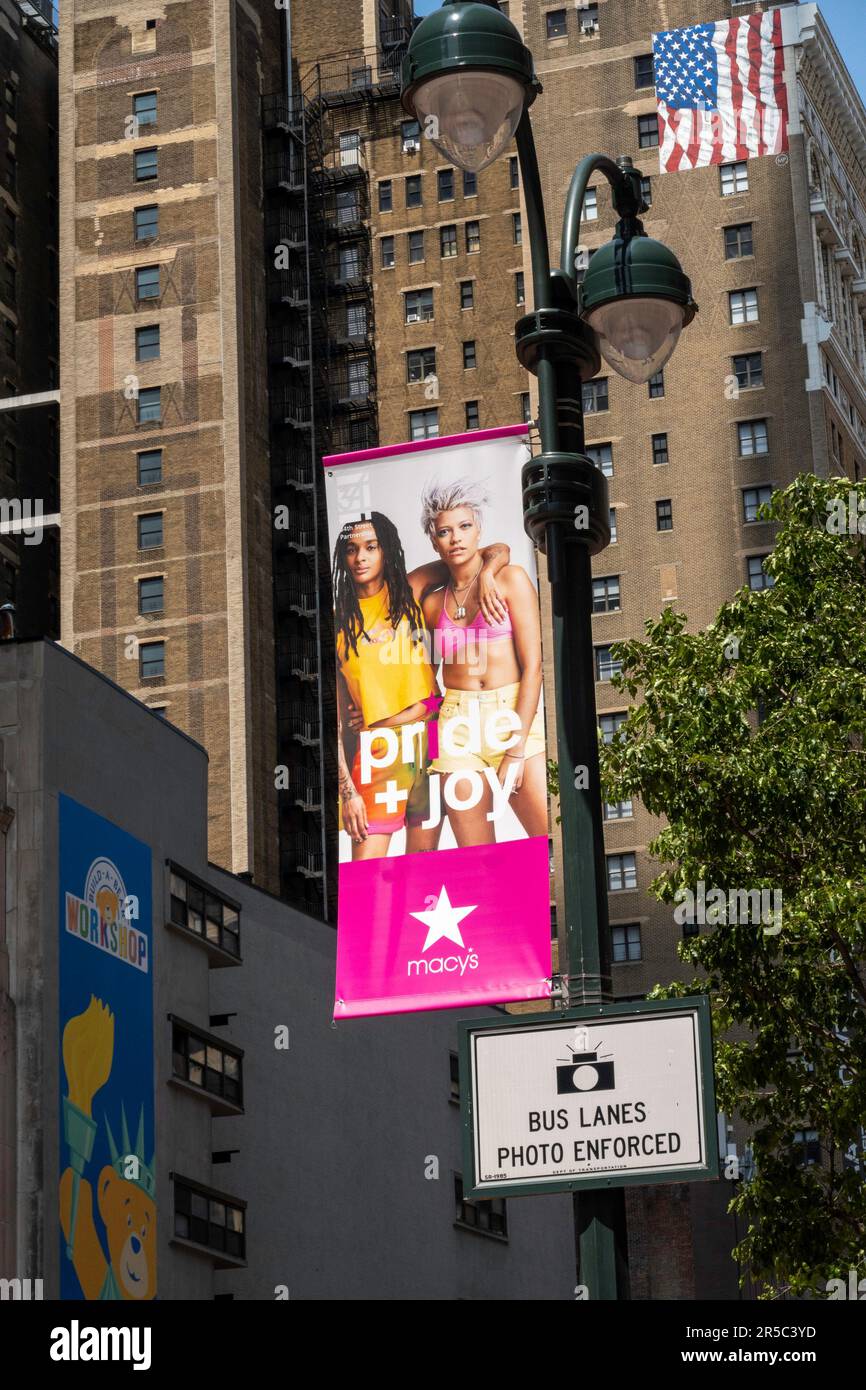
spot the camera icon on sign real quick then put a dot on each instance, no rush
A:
(585, 1071)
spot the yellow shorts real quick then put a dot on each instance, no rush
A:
(469, 715)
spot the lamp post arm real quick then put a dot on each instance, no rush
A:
(574, 205)
(534, 199)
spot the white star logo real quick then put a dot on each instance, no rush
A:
(444, 920)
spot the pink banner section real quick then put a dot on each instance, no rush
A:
(449, 929)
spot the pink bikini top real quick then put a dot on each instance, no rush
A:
(449, 641)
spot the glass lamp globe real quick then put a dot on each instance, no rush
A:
(637, 336)
(470, 116)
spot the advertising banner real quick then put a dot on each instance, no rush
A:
(107, 1194)
(444, 886)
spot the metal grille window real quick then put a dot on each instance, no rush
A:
(204, 913)
(469, 356)
(612, 523)
(146, 223)
(349, 267)
(150, 531)
(473, 237)
(516, 229)
(621, 872)
(467, 294)
(483, 1214)
(419, 305)
(206, 1220)
(648, 132)
(144, 108)
(151, 595)
(389, 258)
(447, 242)
(618, 810)
(420, 364)
(348, 207)
(519, 288)
(358, 379)
(423, 424)
(146, 164)
(201, 1061)
(738, 241)
(664, 515)
(748, 369)
(413, 191)
(753, 499)
(472, 416)
(386, 195)
(606, 665)
(415, 246)
(356, 320)
(602, 456)
(150, 406)
(660, 449)
(656, 386)
(147, 284)
(753, 437)
(626, 943)
(644, 73)
(605, 594)
(595, 396)
(758, 577)
(350, 148)
(147, 343)
(557, 24)
(610, 725)
(445, 185)
(734, 178)
(151, 660)
(470, 183)
(514, 171)
(744, 306)
(149, 467)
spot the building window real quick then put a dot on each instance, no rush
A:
(472, 417)
(758, 577)
(605, 594)
(389, 258)
(350, 148)
(525, 408)
(144, 108)
(646, 190)
(602, 456)
(413, 191)
(470, 182)
(150, 406)
(610, 725)
(656, 386)
(519, 288)
(557, 24)
(151, 595)
(10, 340)
(606, 665)
(420, 364)
(744, 306)
(748, 369)
(146, 163)
(454, 1071)
(738, 241)
(202, 1061)
(595, 396)
(445, 185)
(753, 499)
(150, 534)
(808, 1144)
(664, 515)
(212, 1222)
(644, 74)
(487, 1215)
(356, 320)
(589, 211)
(513, 171)
(147, 282)
(660, 449)
(626, 943)
(467, 294)
(150, 468)
(151, 660)
(473, 237)
(410, 133)
(415, 244)
(612, 524)
(419, 305)
(648, 131)
(618, 810)
(204, 913)
(517, 229)
(753, 437)
(11, 98)
(423, 424)
(386, 195)
(447, 242)
(734, 178)
(469, 356)
(588, 17)
(621, 872)
(146, 223)
(147, 343)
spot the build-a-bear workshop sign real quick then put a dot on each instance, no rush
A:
(593, 1098)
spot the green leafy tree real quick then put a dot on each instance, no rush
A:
(748, 741)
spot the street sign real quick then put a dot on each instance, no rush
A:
(592, 1097)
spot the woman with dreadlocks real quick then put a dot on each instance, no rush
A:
(386, 679)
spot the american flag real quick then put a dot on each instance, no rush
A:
(721, 91)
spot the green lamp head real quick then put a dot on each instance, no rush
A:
(637, 298)
(467, 77)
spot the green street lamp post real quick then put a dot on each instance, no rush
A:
(469, 80)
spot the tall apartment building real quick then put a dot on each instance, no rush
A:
(29, 347)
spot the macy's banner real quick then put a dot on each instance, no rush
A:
(444, 869)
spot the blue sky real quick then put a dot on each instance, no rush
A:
(845, 18)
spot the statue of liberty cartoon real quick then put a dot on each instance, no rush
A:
(125, 1188)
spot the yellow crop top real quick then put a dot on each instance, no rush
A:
(388, 673)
